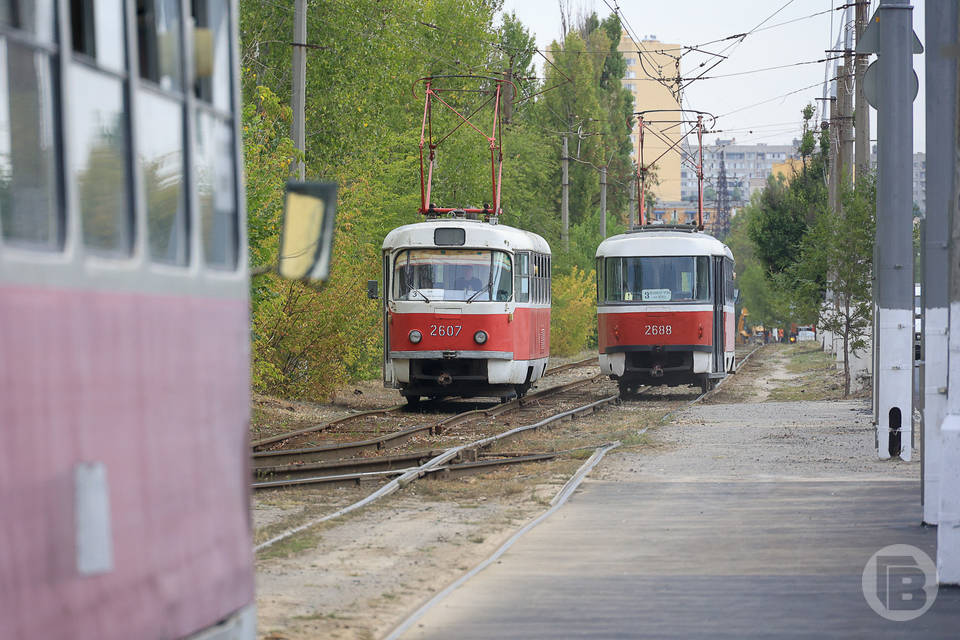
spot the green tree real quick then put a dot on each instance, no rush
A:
(843, 246)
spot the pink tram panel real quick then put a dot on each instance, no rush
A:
(124, 325)
(665, 310)
(466, 309)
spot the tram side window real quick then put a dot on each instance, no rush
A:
(549, 279)
(535, 280)
(728, 284)
(522, 285)
(214, 140)
(613, 279)
(545, 279)
(99, 125)
(538, 279)
(160, 129)
(30, 171)
(599, 273)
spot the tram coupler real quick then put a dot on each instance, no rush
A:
(444, 379)
(656, 371)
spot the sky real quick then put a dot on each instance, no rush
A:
(700, 21)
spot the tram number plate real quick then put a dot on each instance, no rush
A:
(658, 330)
(445, 329)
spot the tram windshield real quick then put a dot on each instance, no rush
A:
(658, 279)
(467, 275)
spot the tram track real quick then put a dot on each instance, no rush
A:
(461, 459)
(306, 435)
(355, 460)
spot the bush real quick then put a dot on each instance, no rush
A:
(573, 322)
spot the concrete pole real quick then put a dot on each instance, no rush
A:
(603, 202)
(845, 89)
(833, 179)
(861, 112)
(632, 209)
(941, 78)
(894, 241)
(831, 339)
(845, 104)
(565, 198)
(943, 23)
(299, 89)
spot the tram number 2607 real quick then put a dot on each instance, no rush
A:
(445, 329)
(658, 330)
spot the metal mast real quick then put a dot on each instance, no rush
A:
(721, 225)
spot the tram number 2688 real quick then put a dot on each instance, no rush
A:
(445, 329)
(658, 330)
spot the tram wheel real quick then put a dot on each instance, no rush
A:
(706, 384)
(413, 401)
(627, 390)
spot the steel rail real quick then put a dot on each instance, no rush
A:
(347, 449)
(438, 461)
(259, 444)
(448, 471)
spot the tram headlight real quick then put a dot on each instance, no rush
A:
(480, 337)
(415, 336)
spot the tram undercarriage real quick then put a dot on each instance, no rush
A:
(466, 377)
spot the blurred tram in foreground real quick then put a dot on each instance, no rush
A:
(124, 323)
(665, 307)
(466, 308)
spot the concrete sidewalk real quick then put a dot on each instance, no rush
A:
(726, 527)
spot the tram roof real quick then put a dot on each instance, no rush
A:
(662, 243)
(477, 234)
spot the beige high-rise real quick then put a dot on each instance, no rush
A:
(650, 94)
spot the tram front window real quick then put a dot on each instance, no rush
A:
(467, 275)
(658, 279)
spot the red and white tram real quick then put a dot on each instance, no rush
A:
(124, 322)
(665, 307)
(466, 308)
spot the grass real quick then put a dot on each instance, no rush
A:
(817, 376)
(293, 546)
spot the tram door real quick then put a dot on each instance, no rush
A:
(718, 332)
(388, 379)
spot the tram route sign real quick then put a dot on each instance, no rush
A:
(655, 295)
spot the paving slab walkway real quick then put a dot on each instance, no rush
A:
(738, 521)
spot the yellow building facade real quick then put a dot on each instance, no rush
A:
(787, 169)
(648, 93)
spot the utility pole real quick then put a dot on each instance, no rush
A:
(941, 292)
(833, 179)
(633, 205)
(861, 112)
(565, 198)
(845, 130)
(603, 202)
(508, 94)
(894, 241)
(299, 89)
(721, 226)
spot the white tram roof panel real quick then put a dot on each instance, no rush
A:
(478, 234)
(662, 243)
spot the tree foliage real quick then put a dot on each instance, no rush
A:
(362, 130)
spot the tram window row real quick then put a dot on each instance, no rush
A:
(532, 277)
(142, 129)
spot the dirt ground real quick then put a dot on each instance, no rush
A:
(359, 576)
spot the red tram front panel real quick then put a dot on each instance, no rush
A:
(652, 326)
(521, 335)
